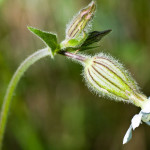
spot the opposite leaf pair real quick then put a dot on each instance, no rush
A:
(78, 36)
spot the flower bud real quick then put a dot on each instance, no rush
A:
(108, 77)
(76, 32)
(80, 21)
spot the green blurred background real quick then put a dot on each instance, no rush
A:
(52, 109)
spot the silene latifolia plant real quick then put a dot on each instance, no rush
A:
(102, 73)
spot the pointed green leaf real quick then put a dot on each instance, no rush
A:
(95, 36)
(88, 48)
(48, 38)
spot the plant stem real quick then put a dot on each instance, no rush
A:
(73, 56)
(17, 76)
(13, 83)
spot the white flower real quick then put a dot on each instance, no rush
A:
(143, 116)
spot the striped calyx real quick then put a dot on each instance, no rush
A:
(76, 32)
(80, 21)
(107, 77)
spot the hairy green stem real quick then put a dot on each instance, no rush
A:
(17, 76)
(13, 83)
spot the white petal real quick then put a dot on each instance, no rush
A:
(136, 120)
(146, 107)
(128, 135)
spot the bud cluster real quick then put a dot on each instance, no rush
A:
(103, 74)
(108, 77)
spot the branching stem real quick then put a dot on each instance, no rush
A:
(17, 76)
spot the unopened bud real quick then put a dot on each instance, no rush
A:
(107, 77)
(80, 21)
(76, 32)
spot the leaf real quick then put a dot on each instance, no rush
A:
(95, 36)
(73, 49)
(48, 38)
(73, 43)
(88, 48)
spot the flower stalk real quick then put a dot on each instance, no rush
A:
(73, 56)
(13, 84)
